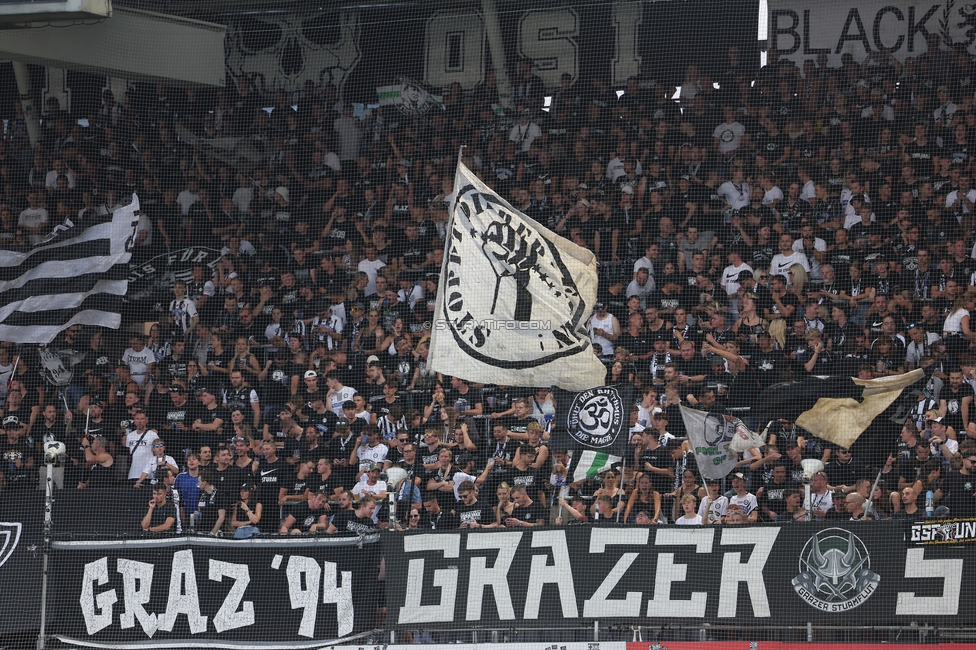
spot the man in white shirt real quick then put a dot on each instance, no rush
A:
(743, 498)
(853, 190)
(729, 135)
(34, 220)
(735, 191)
(960, 202)
(525, 132)
(821, 499)
(410, 292)
(787, 257)
(615, 168)
(188, 196)
(652, 254)
(140, 359)
(641, 286)
(813, 247)
(338, 392)
(733, 272)
(60, 169)
(139, 442)
(370, 266)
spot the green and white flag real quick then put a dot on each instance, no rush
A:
(408, 95)
(593, 463)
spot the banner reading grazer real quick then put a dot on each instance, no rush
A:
(182, 592)
(849, 572)
(803, 29)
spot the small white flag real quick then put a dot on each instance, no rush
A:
(710, 435)
(514, 299)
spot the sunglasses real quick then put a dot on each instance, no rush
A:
(159, 445)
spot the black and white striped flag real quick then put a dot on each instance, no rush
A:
(78, 275)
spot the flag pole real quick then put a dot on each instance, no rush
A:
(870, 502)
(620, 493)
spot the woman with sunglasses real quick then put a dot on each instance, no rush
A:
(158, 460)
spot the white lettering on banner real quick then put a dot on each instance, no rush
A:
(949, 570)
(548, 38)
(455, 50)
(559, 573)
(340, 595)
(304, 594)
(445, 579)
(735, 571)
(802, 29)
(136, 587)
(599, 605)
(228, 617)
(627, 19)
(669, 572)
(496, 577)
(183, 596)
(97, 610)
(304, 576)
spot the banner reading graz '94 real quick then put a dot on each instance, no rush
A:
(848, 572)
(803, 29)
(190, 591)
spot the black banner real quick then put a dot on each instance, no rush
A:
(181, 592)
(21, 523)
(851, 572)
(153, 280)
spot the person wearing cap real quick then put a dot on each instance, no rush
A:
(745, 499)
(942, 438)
(369, 449)
(370, 483)
(17, 455)
(604, 329)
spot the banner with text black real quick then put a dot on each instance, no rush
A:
(186, 592)
(792, 574)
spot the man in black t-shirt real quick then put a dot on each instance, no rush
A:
(656, 460)
(526, 512)
(340, 450)
(270, 474)
(350, 523)
(692, 368)
(308, 516)
(471, 512)
(161, 516)
(435, 517)
(227, 478)
(209, 418)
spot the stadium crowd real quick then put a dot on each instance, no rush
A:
(759, 225)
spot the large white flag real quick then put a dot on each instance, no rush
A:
(77, 275)
(514, 298)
